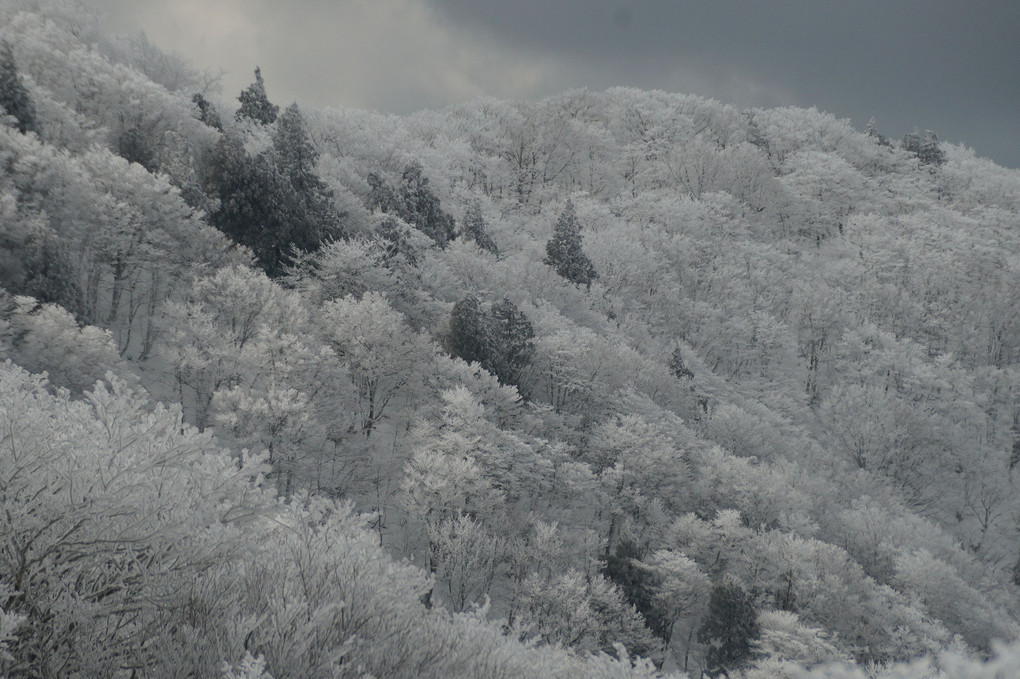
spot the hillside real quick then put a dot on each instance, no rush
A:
(618, 383)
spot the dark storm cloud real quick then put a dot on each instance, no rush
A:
(931, 64)
(946, 65)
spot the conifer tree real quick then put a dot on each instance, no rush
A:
(255, 105)
(420, 207)
(256, 203)
(381, 195)
(512, 341)
(564, 253)
(474, 228)
(468, 338)
(14, 97)
(502, 341)
(925, 147)
(677, 367)
(315, 216)
(872, 131)
(930, 152)
(729, 628)
(206, 113)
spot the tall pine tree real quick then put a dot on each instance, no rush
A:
(474, 228)
(255, 105)
(512, 340)
(314, 216)
(420, 207)
(14, 97)
(564, 253)
(729, 628)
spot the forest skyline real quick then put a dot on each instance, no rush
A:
(934, 66)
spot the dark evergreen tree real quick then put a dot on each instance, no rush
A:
(511, 340)
(474, 228)
(469, 337)
(729, 629)
(256, 203)
(381, 195)
(421, 208)
(14, 97)
(925, 147)
(255, 105)
(564, 253)
(295, 155)
(930, 152)
(397, 239)
(133, 146)
(503, 340)
(206, 113)
(414, 203)
(638, 585)
(314, 217)
(677, 367)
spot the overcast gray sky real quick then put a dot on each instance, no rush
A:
(952, 66)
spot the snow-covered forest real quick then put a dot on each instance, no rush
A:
(616, 384)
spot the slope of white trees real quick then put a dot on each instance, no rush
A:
(613, 384)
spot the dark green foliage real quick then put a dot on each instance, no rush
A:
(414, 203)
(474, 229)
(14, 97)
(677, 367)
(134, 147)
(638, 585)
(420, 207)
(468, 338)
(40, 267)
(275, 204)
(398, 242)
(315, 216)
(255, 105)
(295, 155)
(512, 340)
(502, 341)
(925, 147)
(729, 628)
(564, 253)
(206, 113)
(253, 202)
(381, 195)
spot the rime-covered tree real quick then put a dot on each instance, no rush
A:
(474, 228)
(729, 629)
(14, 98)
(564, 253)
(255, 105)
(872, 131)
